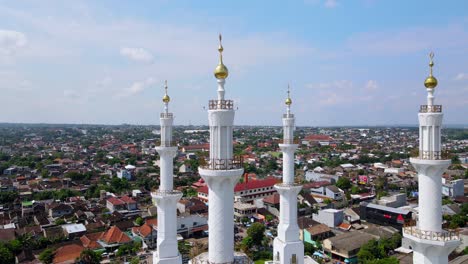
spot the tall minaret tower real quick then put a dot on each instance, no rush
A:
(221, 173)
(166, 198)
(287, 246)
(430, 243)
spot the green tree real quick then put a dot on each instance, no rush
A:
(139, 221)
(343, 183)
(135, 260)
(47, 256)
(6, 256)
(15, 246)
(88, 256)
(257, 232)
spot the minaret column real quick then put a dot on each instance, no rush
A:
(430, 242)
(165, 197)
(221, 173)
(287, 245)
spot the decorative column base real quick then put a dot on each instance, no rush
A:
(239, 258)
(287, 250)
(288, 242)
(167, 251)
(172, 260)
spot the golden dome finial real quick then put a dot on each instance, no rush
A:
(431, 81)
(221, 71)
(166, 99)
(288, 101)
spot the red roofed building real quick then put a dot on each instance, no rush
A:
(148, 235)
(119, 204)
(323, 140)
(89, 241)
(247, 191)
(194, 148)
(113, 238)
(67, 254)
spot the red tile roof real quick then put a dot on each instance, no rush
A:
(127, 199)
(67, 254)
(115, 201)
(90, 240)
(144, 230)
(316, 184)
(318, 138)
(152, 222)
(272, 199)
(115, 235)
(251, 185)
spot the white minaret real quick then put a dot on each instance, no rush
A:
(166, 198)
(287, 246)
(221, 174)
(430, 243)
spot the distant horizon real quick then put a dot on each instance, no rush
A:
(460, 126)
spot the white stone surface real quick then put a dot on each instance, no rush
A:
(288, 243)
(220, 181)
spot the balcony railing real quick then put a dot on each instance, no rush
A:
(221, 104)
(166, 143)
(290, 141)
(167, 192)
(286, 184)
(167, 115)
(432, 155)
(432, 235)
(288, 115)
(430, 109)
(222, 164)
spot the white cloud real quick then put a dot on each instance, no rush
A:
(372, 85)
(11, 41)
(461, 76)
(137, 54)
(137, 87)
(331, 3)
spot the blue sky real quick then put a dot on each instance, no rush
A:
(359, 62)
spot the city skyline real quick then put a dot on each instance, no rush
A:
(347, 63)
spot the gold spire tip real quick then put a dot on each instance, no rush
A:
(221, 71)
(166, 99)
(288, 101)
(431, 81)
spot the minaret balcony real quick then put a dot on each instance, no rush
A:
(222, 164)
(439, 236)
(167, 115)
(430, 109)
(433, 155)
(290, 141)
(221, 104)
(288, 115)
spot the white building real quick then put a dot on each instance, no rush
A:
(329, 217)
(453, 188)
